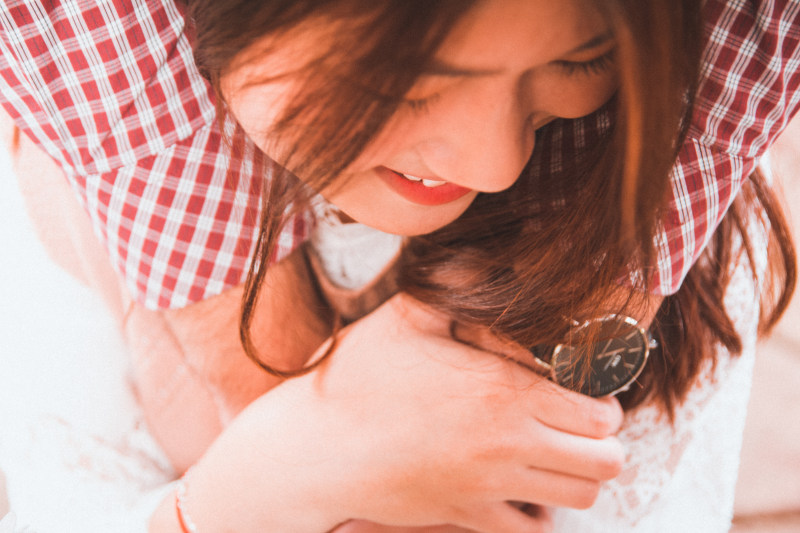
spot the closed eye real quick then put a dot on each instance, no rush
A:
(594, 66)
(420, 105)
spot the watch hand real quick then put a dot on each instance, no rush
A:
(607, 345)
(613, 360)
(610, 353)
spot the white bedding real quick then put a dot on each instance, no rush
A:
(73, 448)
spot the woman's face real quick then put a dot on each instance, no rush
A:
(507, 68)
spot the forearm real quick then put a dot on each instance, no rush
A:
(190, 370)
(269, 455)
(223, 482)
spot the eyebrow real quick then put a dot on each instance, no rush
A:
(437, 67)
(592, 43)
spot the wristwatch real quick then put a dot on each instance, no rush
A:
(601, 368)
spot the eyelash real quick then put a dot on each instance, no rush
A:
(420, 105)
(594, 66)
(597, 65)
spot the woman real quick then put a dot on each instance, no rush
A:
(578, 57)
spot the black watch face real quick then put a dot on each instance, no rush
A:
(607, 366)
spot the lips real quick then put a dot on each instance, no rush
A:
(422, 190)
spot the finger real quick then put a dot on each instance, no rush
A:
(553, 450)
(573, 412)
(596, 417)
(549, 488)
(548, 402)
(503, 517)
(537, 511)
(543, 514)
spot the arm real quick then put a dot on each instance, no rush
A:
(190, 370)
(405, 427)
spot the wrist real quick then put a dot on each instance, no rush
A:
(164, 519)
(263, 473)
(184, 519)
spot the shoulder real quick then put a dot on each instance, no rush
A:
(749, 80)
(100, 85)
(109, 90)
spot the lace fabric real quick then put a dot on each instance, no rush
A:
(65, 478)
(681, 477)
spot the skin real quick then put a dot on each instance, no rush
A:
(368, 436)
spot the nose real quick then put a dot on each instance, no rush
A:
(484, 144)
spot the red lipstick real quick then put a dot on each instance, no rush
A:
(419, 193)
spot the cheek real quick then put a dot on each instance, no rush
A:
(395, 139)
(257, 109)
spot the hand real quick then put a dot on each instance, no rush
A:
(447, 434)
(405, 426)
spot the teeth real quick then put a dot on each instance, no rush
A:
(427, 183)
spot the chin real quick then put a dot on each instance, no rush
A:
(409, 228)
(418, 220)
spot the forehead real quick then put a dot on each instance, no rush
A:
(516, 34)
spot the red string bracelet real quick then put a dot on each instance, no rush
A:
(187, 526)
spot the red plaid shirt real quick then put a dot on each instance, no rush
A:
(108, 89)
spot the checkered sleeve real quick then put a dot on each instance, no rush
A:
(181, 224)
(108, 88)
(748, 93)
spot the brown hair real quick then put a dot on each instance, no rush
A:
(528, 261)
(348, 92)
